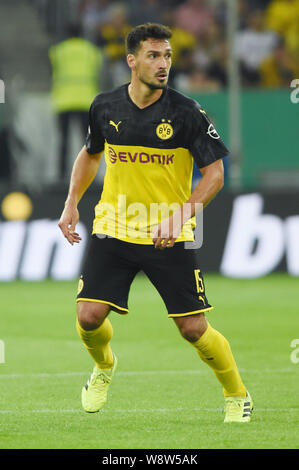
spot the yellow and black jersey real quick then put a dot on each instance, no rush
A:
(149, 157)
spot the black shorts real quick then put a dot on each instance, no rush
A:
(111, 265)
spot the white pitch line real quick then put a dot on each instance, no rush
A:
(144, 372)
(86, 373)
(154, 410)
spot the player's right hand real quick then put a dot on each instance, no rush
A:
(67, 224)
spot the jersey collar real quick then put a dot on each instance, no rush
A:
(147, 107)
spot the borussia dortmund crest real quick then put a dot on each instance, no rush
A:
(164, 130)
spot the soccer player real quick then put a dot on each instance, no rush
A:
(151, 135)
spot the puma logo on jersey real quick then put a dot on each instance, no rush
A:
(115, 125)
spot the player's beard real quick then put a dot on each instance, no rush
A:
(155, 86)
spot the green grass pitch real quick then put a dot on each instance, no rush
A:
(162, 396)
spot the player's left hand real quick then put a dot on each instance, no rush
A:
(166, 233)
(68, 221)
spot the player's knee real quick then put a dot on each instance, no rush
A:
(192, 327)
(190, 333)
(91, 315)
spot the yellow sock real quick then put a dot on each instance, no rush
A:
(215, 351)
(97, 343)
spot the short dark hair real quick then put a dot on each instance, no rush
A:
(144, 32)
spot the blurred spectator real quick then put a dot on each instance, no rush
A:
(208, 44)
(246, 7)
(217, 51)
(253, 45)
(217, 68)
(94, 14)
(179, 74)
(183, 47)
(278, 69)
(75, 82)
(283, 17)
(259, 4)
(196, 80)
(194, 16)
(204, 61)
(147, 11)
(111, 37)
(199, 37)
(190, 77)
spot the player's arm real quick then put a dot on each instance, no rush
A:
(207, 149)
(84, 171)
(210, 184)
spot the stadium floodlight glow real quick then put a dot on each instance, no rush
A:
(2, 92)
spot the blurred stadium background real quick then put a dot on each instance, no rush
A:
(240, 60)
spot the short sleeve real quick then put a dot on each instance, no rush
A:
(95, 141)
(206, 145)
